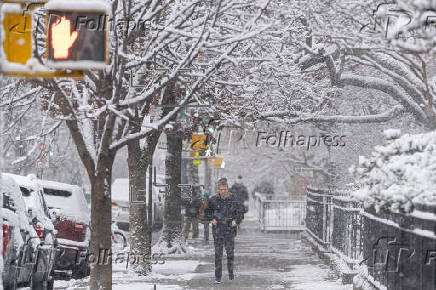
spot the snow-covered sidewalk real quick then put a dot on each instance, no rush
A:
(262, 261)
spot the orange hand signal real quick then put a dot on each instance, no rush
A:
(62, 39)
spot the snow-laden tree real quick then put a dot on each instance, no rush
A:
(325, 55)
(398, 173)
(317, 51)
(104, 113)
(26, 147)
(354, 57)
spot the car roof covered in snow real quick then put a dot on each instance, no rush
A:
(72, 206)
(18, 219)
(33, 201)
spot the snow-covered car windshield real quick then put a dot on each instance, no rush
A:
(57, 192)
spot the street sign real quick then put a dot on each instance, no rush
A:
(199, 141)
(216, 162)
(77, 36)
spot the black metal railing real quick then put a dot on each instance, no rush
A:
(400, 249)
(347, 230)
(396, 250)
(318, 215)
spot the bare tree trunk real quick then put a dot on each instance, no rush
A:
(171, 241)
(140, 227)
(101, 206)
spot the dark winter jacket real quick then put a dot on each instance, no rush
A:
(192, 206)
(224, 211)
(240, 191)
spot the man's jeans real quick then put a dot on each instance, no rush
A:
(220, 242)
(206, 231)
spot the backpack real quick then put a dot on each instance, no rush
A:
(203, 206)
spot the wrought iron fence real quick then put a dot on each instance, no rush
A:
(318, 216)
(346, 238)
(334, 220)
(398, 250)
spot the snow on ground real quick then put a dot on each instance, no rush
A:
(262, 261)
(311, 277)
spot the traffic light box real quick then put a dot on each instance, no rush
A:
(76, 38)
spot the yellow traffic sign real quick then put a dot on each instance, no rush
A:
(216, 162)
(18, 37)
(199, 141)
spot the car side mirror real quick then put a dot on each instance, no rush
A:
(53, 216)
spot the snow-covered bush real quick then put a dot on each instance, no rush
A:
(399, 173)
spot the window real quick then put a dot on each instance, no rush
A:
(25, 191)
(8, 202)
(57, 192)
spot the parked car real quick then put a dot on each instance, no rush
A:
(71, 218)
(120, 203)
(39, 216)
(20, 240)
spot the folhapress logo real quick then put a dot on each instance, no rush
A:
(286, 138)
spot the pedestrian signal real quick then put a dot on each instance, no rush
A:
(76, 39)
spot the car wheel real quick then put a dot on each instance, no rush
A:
(50, 284)
(36, 285)
(81, 271)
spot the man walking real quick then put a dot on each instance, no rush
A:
(224, 212)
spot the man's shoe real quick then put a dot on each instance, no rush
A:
(231, 277)
(217, 281)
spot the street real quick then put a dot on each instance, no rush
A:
(262, 261)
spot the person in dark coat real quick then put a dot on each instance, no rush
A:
(192, 210)
(225, 213)
(202, 216)
(240, 191)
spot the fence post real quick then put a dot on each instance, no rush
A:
(324, 218)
